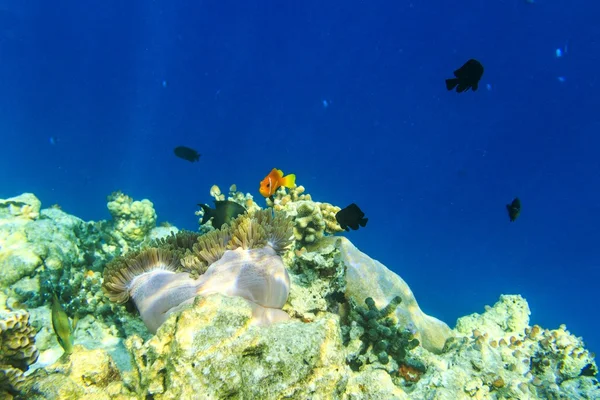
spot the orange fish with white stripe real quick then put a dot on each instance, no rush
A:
(274, 181)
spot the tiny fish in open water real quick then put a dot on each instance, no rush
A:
(274, 181)
(186, 153)
(514, 209)
(352, 217)
(467, 77)
(223, 213)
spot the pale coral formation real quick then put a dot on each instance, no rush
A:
(131, 220)
(25, 206)
(86, 374)
(308, 223)
(498, 355)
(366, 277)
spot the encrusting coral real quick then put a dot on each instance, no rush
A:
(243, 260)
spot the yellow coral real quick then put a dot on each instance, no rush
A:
(328, 211)
(309, 224)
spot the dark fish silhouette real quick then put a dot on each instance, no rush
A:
(352, 217)
(186, 153)
(467, 77)
(223, 213)
(514, 209)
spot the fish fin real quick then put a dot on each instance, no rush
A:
(363, 222)
(451, 83)
(474, 86)
(207, 213)
(289, 181)
(278, 172)
(74, 322)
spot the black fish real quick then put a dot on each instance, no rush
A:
(514, 209)
(352, 217)
(467, 77)
(186, 153)
(223, 212)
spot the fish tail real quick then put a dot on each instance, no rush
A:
(289, 181)
(451, 83)
(207, 213)
(363, 222)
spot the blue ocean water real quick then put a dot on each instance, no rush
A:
(349, 96)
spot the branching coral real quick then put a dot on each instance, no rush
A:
(308, 224)
(328, 211)
(380, 334)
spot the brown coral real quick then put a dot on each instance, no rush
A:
(120, 272)
(17, 348)
(410, 373)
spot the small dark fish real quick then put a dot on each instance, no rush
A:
(186, 153)
(467, 77)
(223, 213)
(352, 217)
(514, 209)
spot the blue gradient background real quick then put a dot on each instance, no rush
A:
(432, 169)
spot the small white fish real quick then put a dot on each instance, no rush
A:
(559, 53)
(325, 103)
(52, 140)
(561, 79)
(488, 86)
(164, 84)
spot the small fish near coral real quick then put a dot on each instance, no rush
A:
(223, 213)
(351, 216)
(274, 181)
(514, 209)
(187, 153)
(467, 77)
(62, 326)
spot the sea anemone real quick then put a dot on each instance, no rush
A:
(209, 248)
(243, 261)
(120, 274)
(261, 229)
(151, 281)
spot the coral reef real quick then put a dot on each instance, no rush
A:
(353, 329)
(17, 349)
(132, 220)
(498, 355)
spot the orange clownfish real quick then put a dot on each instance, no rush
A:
(274, 180)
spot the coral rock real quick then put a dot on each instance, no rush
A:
(366, 277)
